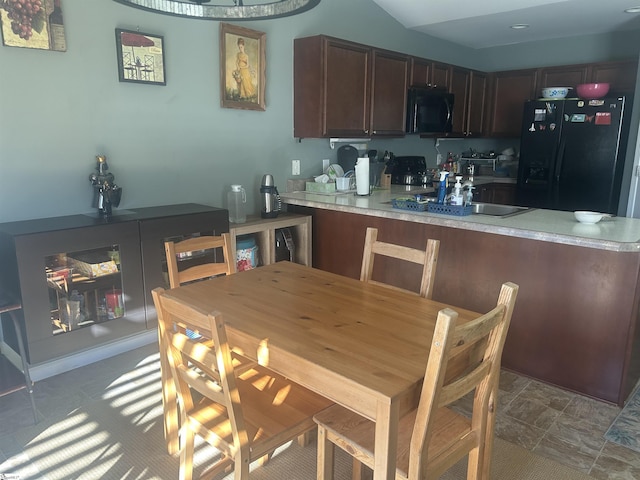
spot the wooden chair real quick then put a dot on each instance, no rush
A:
(428, 258)
(199, 272)
(177, 278)
(244, 415)
(433, 438)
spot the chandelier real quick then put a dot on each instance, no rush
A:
(237, 11)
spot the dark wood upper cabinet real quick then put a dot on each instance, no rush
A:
(440, 75)
(476, 111)
(564, 76)
(420, 75)
(621, 75)
(427, 73)
(509, 91)
(389, 93)
(343, 88)
(459, 86)
(331, 88)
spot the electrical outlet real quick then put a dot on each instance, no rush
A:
(295, 167)
(325, 164)
(439, 159)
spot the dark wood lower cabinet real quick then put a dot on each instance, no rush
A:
(84, 281)
(575, 322)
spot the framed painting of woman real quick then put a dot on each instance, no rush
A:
(242, 67)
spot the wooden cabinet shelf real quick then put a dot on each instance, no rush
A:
(265, 231)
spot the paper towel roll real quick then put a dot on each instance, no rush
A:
(362, 176)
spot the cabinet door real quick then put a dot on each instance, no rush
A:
(621, 75)
(484, 193)
(347, 93)
(565, 76)
(155, 231)
(440, 75)
(459, 86)
(389, 93)
(504, 193)
(510, 90)
(420, 72)
(477, 104)
(43, 294)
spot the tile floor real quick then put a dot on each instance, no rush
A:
(563, 426)
(560, 425)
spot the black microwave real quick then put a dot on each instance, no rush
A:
(429, 110)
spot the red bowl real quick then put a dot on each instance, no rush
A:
(592, 90)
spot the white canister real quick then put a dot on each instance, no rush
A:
(236, 199)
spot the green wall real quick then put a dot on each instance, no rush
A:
(174, 143)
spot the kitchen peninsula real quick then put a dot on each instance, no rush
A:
(575, 325)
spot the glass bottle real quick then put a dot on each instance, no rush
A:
(236, 199)
(56, 27)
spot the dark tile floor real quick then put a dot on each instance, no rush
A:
(551, 422)
(562, 426)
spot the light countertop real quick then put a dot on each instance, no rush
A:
(616, 234)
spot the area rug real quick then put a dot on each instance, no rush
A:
(624, 429)
(118, 435)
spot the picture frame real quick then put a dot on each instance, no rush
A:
(242, 67)
(140, 57)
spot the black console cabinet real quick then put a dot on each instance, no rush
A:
(106, 268)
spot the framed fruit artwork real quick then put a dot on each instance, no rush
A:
(33, 24)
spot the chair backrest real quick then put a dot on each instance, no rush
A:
(428, 258)
(473, 353)
(204, 270)
(214, 376)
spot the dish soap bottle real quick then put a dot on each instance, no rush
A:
(456, 196)
(442, 188)
(236, 199)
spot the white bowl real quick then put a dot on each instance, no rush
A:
(555, 92)
(334, 171)
(588, 218)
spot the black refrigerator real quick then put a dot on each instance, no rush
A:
(572, 154)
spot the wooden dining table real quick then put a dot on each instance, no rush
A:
(363, 346)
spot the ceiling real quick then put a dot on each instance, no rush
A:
(487, 23)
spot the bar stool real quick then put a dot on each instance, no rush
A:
(11, 309)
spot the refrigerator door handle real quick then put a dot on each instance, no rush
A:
(559, 160)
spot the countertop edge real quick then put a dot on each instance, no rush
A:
(461, 223)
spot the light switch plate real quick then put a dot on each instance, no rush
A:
(295, 167)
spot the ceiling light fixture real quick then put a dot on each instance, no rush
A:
(632, 10)
(520, 26)
(238, 11)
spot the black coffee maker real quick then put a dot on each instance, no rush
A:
(271, 203)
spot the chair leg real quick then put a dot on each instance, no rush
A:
(474, 465)
(325, 455)
(186, 454)
(305, 438)
(360, 471)
(25, 365)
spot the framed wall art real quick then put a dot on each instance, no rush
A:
(140, 57)
(242, 67)
(33, 24)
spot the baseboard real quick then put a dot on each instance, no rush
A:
(95, 354)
